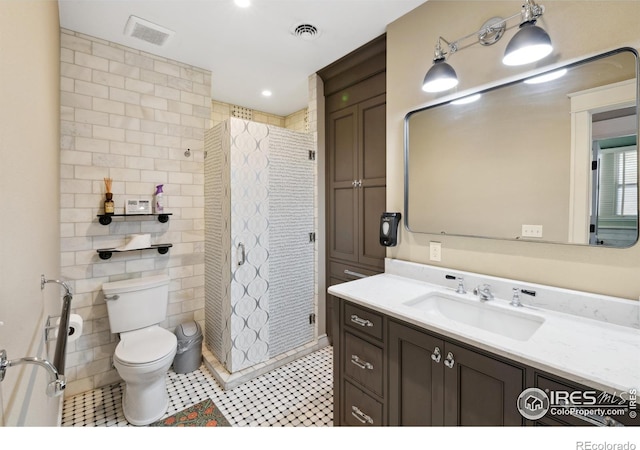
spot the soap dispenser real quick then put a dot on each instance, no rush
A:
(159, 200)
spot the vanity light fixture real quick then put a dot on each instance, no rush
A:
(441, 75)
(531, 43)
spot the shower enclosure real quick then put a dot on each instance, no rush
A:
(259, 250)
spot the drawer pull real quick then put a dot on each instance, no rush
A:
(436, 355)
(362, 417)
(361, 363)
(354, 274)
(593, 419)
(362, 322)
(449, 361)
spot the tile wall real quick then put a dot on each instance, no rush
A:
(130, 116)
(298, 121)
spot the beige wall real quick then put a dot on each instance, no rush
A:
(29, 229)
(577, 29)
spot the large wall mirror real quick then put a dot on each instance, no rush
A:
(539, 159)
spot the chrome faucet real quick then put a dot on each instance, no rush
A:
(460, 289)
(515, 300)
(484, 292)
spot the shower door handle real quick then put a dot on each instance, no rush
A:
(243, 258)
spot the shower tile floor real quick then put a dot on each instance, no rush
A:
(297, 394)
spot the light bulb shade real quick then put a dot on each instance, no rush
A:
(440, 77)
(531, 43)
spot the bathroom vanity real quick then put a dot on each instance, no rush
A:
(413, 349)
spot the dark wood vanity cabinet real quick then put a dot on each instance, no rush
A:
(389, 372)
(435, 382)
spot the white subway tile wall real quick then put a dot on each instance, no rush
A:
(129, 116)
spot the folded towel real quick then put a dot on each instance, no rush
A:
(136, 241)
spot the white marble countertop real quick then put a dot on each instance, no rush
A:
(596, 354)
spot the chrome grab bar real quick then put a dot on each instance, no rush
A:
(44, 281)
(59, 358)
(60, 355)
(57, 382)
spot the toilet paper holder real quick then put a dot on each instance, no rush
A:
(53, 324)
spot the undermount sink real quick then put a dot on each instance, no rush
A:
(515, 324)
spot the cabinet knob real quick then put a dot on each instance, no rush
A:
(436, 355)
(449, 361)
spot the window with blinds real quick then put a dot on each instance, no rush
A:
(618, 181)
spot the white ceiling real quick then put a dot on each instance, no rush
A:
(247, 50)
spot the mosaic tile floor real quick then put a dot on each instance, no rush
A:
(297, 394)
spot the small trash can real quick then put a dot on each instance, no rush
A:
(189, 354)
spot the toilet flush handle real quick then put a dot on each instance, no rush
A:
(111, 297)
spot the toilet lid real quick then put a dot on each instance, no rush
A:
(145, 345)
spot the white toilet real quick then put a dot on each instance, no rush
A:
(146, 350)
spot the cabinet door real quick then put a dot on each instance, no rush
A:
(480, 390)
(372, 167)
(343, 170)
(415, 379)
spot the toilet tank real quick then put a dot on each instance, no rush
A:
(137, 302)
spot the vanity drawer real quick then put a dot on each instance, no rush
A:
(348, 272)
(548, 384)
(360, 409)
(363, 320)
(363, 363)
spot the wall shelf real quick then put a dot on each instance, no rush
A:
(105, 253)
(105, 219)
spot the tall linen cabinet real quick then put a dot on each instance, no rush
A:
(259, 250)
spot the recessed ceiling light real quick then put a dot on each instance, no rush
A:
(267, 93)
(243, 3)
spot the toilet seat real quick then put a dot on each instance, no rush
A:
(146, 346)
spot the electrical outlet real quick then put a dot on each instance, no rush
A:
(435, 251)
(533, 231)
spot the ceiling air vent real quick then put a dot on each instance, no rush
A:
(305, 31)
(147, 31)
